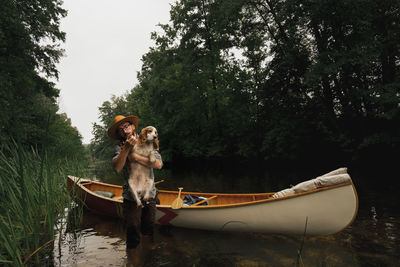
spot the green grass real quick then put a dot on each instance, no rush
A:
(33, 197)
(299, 260)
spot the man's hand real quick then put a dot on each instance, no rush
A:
(119, 161)
(130, 142)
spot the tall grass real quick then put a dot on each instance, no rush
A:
(33, 198)
(299, 261)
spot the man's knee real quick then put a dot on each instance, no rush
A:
(132, 214)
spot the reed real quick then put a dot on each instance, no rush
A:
(33, 200)
(299, 260)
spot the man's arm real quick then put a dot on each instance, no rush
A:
(145, 161)
(120, 159)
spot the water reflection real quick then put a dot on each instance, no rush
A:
(372, 240)
(101, 242)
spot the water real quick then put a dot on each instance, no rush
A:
(372, 240)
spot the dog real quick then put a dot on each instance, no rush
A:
(140, 182)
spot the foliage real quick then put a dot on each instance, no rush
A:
(34, 187)
(29, 50)
(270, 80)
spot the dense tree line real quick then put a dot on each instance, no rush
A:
(29, 50)
(270, 80)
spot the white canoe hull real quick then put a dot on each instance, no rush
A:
(320, 212)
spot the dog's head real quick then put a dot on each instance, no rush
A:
(149, 134)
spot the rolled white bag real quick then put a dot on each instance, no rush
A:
(283, 193)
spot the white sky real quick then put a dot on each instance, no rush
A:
(104, 45)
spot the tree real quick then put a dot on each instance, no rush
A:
(29, 50)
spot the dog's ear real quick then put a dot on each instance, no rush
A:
(142, 137)
(156, 145)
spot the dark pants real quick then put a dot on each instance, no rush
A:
(138, 220)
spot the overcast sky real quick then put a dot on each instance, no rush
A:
(104, 45)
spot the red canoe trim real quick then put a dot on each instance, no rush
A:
(169, 215)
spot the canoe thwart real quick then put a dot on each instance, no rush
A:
(204, 200)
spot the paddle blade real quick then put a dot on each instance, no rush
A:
(178, 202)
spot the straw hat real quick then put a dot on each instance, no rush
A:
(113, 130)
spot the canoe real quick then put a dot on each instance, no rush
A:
(321, 211)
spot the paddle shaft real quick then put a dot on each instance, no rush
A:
(179, 194)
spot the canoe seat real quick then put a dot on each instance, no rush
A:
(104, 193)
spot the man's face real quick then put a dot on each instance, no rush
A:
(126, 130)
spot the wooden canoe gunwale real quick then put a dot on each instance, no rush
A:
(255, 201)
(79, 183)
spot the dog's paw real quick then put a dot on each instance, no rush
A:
(146, 197)
(139, 203)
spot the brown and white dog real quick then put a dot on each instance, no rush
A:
(140, 182)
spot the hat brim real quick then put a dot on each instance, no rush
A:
(113, 130)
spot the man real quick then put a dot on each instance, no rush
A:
(138, 219)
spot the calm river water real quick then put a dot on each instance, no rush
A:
(372, 240)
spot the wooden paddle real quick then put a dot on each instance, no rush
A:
(178, 202)
(159, 182)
